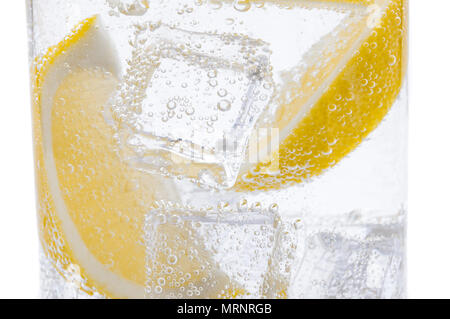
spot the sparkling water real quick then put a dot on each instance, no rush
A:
(198, 81)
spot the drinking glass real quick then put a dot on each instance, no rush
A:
(219, 148)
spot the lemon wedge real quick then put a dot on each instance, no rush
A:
(326, 109)
(92, 205)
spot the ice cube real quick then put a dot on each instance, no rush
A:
(216, 252)
(189, 102)
(348, 258)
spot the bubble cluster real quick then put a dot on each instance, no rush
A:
(228, 250)
(129, 7)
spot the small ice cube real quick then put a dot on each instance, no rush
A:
(189, 102)
(352, 259)
(237, 249)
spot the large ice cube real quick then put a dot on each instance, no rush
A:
(189, 102)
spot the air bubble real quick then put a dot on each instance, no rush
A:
(190, 110)
(243, 204)
(158, 290)
(229, 21)
(171, 105)
(172, 260)
(161, 281)
(222, 93)
(242, 5)
(224, 105)
(274, 208)
(224, 207)
(393, 60)
(257, 207)
(212, 74)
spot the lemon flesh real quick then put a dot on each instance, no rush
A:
(91, 205)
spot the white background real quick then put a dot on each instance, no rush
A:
(429, 204)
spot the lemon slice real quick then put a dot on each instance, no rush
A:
(352, 78)
(92, 205)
